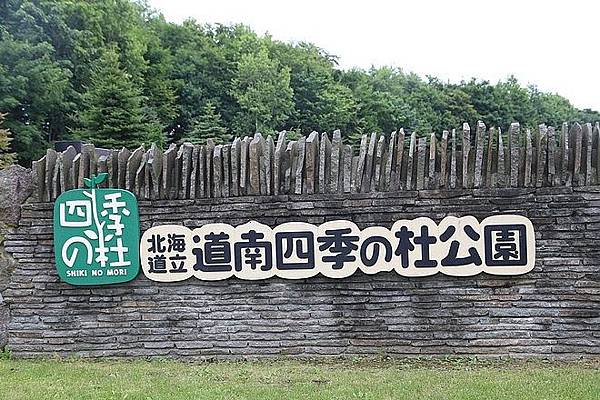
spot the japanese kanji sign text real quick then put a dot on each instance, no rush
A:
(96, 235)
(499, 245)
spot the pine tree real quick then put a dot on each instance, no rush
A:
(207, 125)
(262, 89)
(6, 157)
(113, 116)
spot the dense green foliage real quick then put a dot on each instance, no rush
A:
(111, 113)
(208, 124)
(116, 73)
(6, 156)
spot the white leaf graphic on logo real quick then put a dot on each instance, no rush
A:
(109, 237)
(91, 234)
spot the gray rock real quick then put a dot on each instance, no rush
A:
(298, 175)
(140, 178)
(379, 164)
(466, 150)
(596, 134)
(38, 172)
(513, 138)
(226, 170)
(421, 155)
(369, 168)
(335, 179)
(113, 168)
(133, 164)
(169, 187)
(552, 176)
(575, 141)
(491, 156)
(398, 184)
(479, 142)
(187, 150)
(285, 169)
(17, 185)
(235, 166)
(566, 176)
(49, 180)
(432, 181)
(278, 162)
(453, 167)
(360, 166)
(266, 161)
(55, 179)
(67, 158)
(389, 174)
(354, 167)
(255, 153)
(541, 145)
(202, 174)
(444, 159)
(75, 170)
(324, 163)
(346, 170)
(155, 168)
(311, 163)
(244, 165)
(147, 187)
(102, 169)
(195, 171)
(587, 143)
(501, 180)
(86, 161)
(217, 171)
(410, 162)
(290, 172)
(93, 159)
(528, 160)
(123, 157)
(210, 150)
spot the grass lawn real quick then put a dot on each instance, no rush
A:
(450, 379)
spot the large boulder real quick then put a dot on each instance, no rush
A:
(16, 185)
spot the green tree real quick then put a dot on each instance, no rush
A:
(159, 88)
(321, 103)
(587, 115)
(207, 125)
(262, 89)
(207, 59)
(512, 103)
(6, 156)
(78, 33)
(34, 93)
(51, 50)
(550, 108)
(112, 115)
(382, 101)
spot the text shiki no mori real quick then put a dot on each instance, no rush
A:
(499, 245)
(96, 235)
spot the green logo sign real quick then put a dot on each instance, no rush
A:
(96, 235)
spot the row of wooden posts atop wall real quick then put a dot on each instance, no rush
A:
(260, 165)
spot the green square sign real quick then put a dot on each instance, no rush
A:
(96, 235)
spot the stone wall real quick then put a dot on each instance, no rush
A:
(257, 165)
(553, 311)
(15, 188)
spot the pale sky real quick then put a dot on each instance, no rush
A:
(553, 44)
